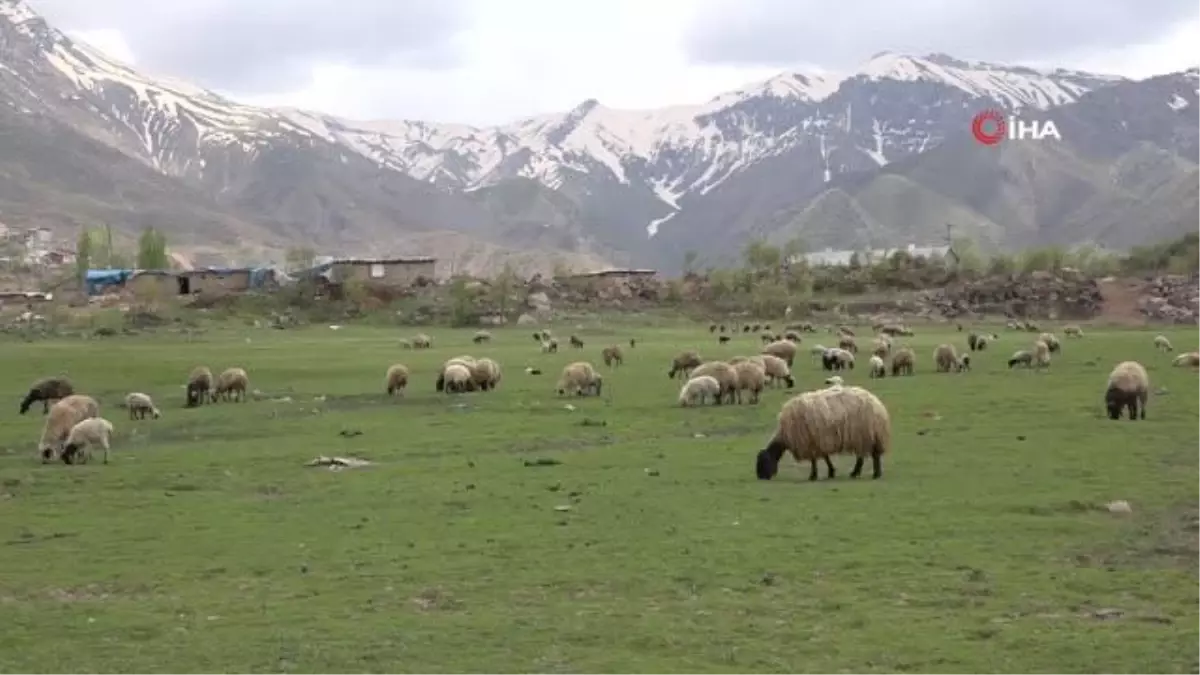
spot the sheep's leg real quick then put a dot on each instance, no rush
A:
(1143, 400)
(812, 474)
(1133, 410)
(876, 464)
(104, 444)
(858, 467)
(830, 470)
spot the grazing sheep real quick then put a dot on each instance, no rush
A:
(981, 342)
(485, 374)
(817, 425)
(397, 379)
(1128, 386)
(456, 379)
(422, 341)
(47, 390)
(882, 346)
(1188, 359)
(766, 338)
(777, 370)
(83, 436)
(792, 336)
(1015, 325)
(1162, 344)
(784, 349)
(1073, 331)
(140, 405)
(746, 328)
(724, 374)
(550, 346)
(845, 330)
(721, 328)
(1041, 354)
(945, 357)
(877, 369)
(1051, 341)
(543, 335)
(892, 329)
(712, 327)
(903, 362)
(232, 384)
(817, 351)
(848, 343)
(1032, 327)
(699, 390)
(837, 358)
(1021, 357)
(963, 364)
(580, 378)
(632, 343)
(467, 362)
(481, 337)
(576, 342)
(683, 364)
(63, 415)
(834, 381)
(751, 377)
(742, 359)
(722, 339)
(199, 386)
(613, 356)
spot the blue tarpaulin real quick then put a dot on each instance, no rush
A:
(99, 280)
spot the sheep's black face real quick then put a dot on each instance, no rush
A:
(791, 382)
(766, 467)
(47, 454)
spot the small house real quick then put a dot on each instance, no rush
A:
(219, 280)
(396, 272)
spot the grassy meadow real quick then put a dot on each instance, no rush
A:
(208, 546)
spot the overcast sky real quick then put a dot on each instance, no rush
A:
(490, 61)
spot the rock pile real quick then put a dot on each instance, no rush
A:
(1040, 295)
(1174, 298)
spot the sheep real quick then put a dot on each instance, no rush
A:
(481, 337)
(963, 364)
(784, 349)
(1188, 359)
(848, 343)
(683, 364)
(1021, 357)
(397, 379)
(817, 351)
(467, 362)
(632, 343)
(576, 342)
(1162, 344)
(47, 390)
(455, 379)
(613, 356)
(751, 377)
(945, 357)
(777, 370)
(1032, 327)
(892, 329)
(485, 374)
(837, 358)
(1073, 331)
(882, 346)
(712, 327)
(722, 339)
(818, 424)
(581, 378)
(903, 361)
(83, 436)
(232, 384)
(1051, 342)
(724, 374)
(140, 405)
(422, 341)
(199, 386)
(979, 343)
(877, 369)
(845, 330)
(721, 328)
(1128, 386)
(742, 359)
(62, 416)
(1041, 354)
(766, 338)
(700, 390)
(543, 335)
(792, 336)
(550, 346)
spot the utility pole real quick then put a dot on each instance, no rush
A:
(950, 243)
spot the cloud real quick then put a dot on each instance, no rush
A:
(784, 33)
(270, 45)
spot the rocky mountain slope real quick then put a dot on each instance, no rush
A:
(881, 156)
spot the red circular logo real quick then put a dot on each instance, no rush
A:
(989, 127)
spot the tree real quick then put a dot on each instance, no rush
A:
(967, 257)
(152, 250)
(503, 286)
(83, 254)
(689, 262)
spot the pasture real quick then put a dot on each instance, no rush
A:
(207, 545)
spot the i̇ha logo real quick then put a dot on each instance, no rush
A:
(992, 126)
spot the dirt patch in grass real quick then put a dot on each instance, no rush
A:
(1166, 539)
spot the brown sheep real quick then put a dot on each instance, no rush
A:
(63, 415)
(903, 362)
(723, 373)
(784, 349)
(819, 424)
(199, 386)
(683, 364)
(1128, 386)
(613, 356)
(751, 377)
(576, 342)
(232, 384)
(397, 379)
(848, 343)
(1187, 359)
(945, 358)
(47, 391)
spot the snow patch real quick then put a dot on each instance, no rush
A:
(652, 226)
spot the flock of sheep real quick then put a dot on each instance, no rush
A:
(73, 424)
(813, 426)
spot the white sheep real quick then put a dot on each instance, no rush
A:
(876, 367)
(140, 405)
(700, 390)
(1162, 344)
(85, 434)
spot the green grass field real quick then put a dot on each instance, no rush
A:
(207, 545)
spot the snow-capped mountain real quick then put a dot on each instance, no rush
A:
(625, 185)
